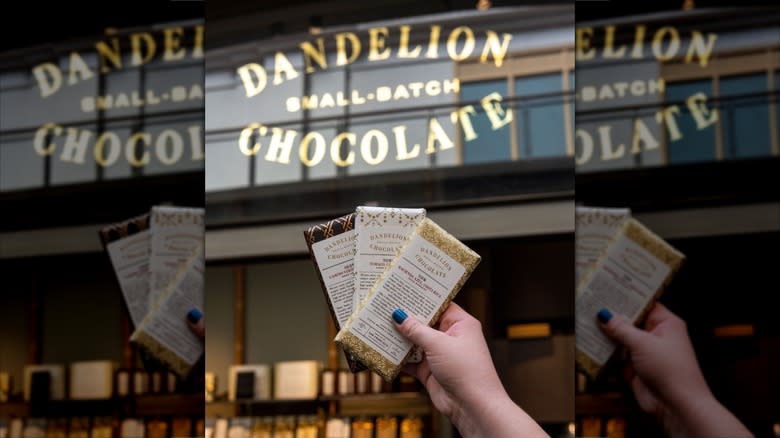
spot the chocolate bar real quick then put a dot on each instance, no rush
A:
(164, 331)
(422, 279)
(632, 273)
(332, 249)
(127, 245)
(595, 229)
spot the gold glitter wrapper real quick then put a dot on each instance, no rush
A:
(655, 245)
(449, 245)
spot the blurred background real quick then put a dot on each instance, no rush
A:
(677, 119)
(101, 117)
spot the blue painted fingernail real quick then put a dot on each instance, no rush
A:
(604, 315)
(399, 316)
(194, 315)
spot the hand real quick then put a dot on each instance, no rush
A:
(196, 323)
(665, 376)
(460, 377)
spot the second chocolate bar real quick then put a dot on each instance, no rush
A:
(332, 249)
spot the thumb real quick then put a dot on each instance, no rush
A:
(415, 331)
(620, 330)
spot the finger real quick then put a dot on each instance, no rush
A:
(620, 330)
(658, 314)
(415, 331)
(196, 323)
(454, 314)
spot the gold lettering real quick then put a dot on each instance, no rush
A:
(381, 143)
(584, 51)
(327, 101)
(667, 115)
(400, 93)
(336, 149)
(586, 147)
(607, 153)
(377, 44)
(609, 41)
(40, 137)
(173, 49)
(49, 78)
(197, 49)
(136, 40)
(112, 54)
(402, 153)
(468, 45)
(433, 42)
(495, 112)
(496, 47)
(433, 88)
(703, 116)
(78, 69)
(166, 137)
(293, 104)
(310, 53)
(451, 86)
(436, 133)
(279, 150)
(639, 39)
(642, 135)
(75, 147)
(131, 147)
(341, 48)
(114, 146)
(246, 135)
(700, 47)
(462, 114)
(282, 65)
(196, 142)
(319, 151)
(674, 43)
(403, 47)
(254, 78)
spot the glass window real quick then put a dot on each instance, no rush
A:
(540, 123)
(489, 145)
(694, 144)
(745, 119)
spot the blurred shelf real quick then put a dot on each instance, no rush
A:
(253, 408)
(14, 409)
(79, 408)
(403, 403)
(142, 405)
(608, 403)
(170, 405)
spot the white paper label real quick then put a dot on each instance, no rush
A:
(130, 259)
(419, 282)
(176, 232)
(595, 229)
(625, 280)
(381, 232)
(336, 260)
(168, 323)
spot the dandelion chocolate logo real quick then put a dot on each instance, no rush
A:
(374, 146)
(115, 55)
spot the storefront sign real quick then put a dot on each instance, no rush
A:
(276, 144)
(167, 144)
(597, 142)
